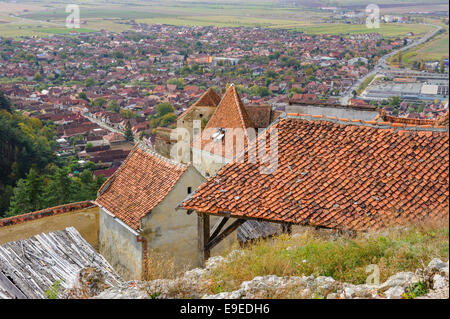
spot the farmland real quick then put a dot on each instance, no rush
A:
(40, 20)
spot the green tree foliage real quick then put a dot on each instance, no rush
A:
(113, 106)
(99, 102)
(28, 194)
(164, 108)
(5, 104)
(83, 96)
(128, 133)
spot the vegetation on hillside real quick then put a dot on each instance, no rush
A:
(344, 259)
(31, 176)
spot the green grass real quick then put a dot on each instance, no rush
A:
(65, 30)
(433, 50)
(341, 258)
(365, 83)
(387, 30)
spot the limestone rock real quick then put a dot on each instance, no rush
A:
(394, 292)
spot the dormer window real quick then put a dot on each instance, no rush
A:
(218, 136)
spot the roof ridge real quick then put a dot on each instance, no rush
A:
(154, 153)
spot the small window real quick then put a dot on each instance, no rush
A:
(189, 190)
(201, 115)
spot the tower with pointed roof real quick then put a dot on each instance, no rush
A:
(230, 120)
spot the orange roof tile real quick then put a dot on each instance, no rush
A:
(229, 114)
(336, 175)
(140, 184)
(209, 98)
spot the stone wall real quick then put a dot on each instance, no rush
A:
(84, 216)
(173, 232)
(119, 245)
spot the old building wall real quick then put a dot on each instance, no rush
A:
(118, 244)
(339, 112)
(201, 113)
(172, 232)
(85, 221)
(209, 164)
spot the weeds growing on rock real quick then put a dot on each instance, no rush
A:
(342, 258)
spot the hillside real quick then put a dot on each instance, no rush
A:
(411, 263)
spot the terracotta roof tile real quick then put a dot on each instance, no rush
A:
(209, 98)
(337, 175)
(229, 114)
(140, 184)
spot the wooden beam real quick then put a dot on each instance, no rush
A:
(286, 228)
(218, 227)
(213, 242)
(11, 288)
(203, 238)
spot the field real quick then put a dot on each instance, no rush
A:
(434, 50)
(17, 20)
(387, 30)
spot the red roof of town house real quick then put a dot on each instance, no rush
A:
(229, 114)
(337, 173)
(105, 172)
(358, 102)
(143, 180)
(114, 137)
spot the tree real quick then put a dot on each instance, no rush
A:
(128, 132)
(83, 96)
(164, 108)
(5, 104)
(99, 102)
(89, 82)
(37, 77)
(113, 106)
(59, 189)
(168, 118)
(27, 195)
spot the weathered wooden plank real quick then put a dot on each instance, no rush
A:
(218, 227)
(212, 243)
(34, 264)
(11, 288)
(203, 238)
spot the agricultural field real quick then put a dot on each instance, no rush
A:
(388, 30)
(40, 20)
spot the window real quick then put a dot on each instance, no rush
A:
(189, 190)
(201, 115)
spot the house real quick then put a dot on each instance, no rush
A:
(45, 259)
(230, 121)
(201, 110)
(138, 213)
(333, 173)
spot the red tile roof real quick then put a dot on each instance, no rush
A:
(66, 208)
(229, 114)
(337, 173)
(142, 182)
(209, 98)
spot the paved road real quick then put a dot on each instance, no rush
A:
(382, 66)
(102, 124)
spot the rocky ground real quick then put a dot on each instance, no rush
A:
(430, 282)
